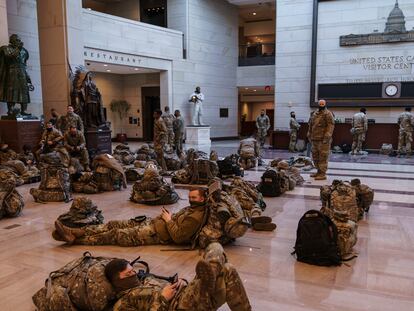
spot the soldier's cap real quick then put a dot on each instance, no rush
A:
(322, 103)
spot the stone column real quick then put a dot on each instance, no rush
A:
(61, 42)
(4, 29)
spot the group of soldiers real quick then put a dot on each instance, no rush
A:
(168, 134)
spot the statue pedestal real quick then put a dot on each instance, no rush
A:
(198, 137)
(98, 141)
(17, 133)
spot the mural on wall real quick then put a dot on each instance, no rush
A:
(395, 31)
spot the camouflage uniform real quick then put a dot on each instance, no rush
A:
(321, 126)
(182, 229)
(160, 140)
(178, 126)
(55, 136)
(169, 123)
(11, 202)
(7, 155)
(359, 131)
(70, 119)
(77, 140)
(294, 128)
(263, 125)
(405, 138)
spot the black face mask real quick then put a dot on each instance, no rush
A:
(293, 116)
(322, 108)
(195, 203)
(49, 129)
(126, 283)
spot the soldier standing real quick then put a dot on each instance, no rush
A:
(405, 138)
(294, 128)
(359, 130)
(178, 126)
(263, 125)
(75, 144)
(160, 138)
(321, 126)
(71, 118)
(169, 120)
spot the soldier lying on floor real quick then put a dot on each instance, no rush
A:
(180, 228)
(96, 283)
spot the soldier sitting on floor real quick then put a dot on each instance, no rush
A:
(152, 189)
(95, 283)
(179, 228)
(75, 144)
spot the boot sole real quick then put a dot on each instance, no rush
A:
(265, 227)
(261, 220)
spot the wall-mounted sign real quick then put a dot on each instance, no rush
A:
(112, 57)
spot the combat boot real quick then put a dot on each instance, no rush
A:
(68, 234)
(264, 226)
(261, 220)
(320, 177)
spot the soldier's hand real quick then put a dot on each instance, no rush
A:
(169, 291)
(49, 142)
(166, 215)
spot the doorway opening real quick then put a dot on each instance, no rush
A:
(150, 102)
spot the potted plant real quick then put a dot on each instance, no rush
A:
(121, 107)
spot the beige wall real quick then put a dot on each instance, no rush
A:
(128, 87)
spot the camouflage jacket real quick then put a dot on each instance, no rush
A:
(77, 140)
(55, 136)
(160, 132)
(145, 297)
(7, 156)
(168, 120)
(321, 125)
(294, 125)
(64, 122)
(178, 126)
(360, 121)
(263, 122)
(406, 121)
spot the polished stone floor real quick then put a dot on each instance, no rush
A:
(381, 278)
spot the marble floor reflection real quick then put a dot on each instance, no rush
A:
(381, 278)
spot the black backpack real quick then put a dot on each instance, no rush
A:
(316, 240)
(271, 184)
(228, 167)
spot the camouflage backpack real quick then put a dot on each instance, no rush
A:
(107, 179)
(347, 232)
(341, 197)
(182, 176)
(11, 202)
(83, 212)
(250, 189)
(365, 196)
(8, 174)
(133, 174)
(248, 148)
(79, 285)
(203, 171)
(54, 185)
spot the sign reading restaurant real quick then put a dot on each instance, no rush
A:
(112, 57)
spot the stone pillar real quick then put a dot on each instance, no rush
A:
(166, 90)
(61, 41)
(4, 28)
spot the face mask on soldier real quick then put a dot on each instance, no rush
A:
(49, 129)
(196, 203)
(126, 283)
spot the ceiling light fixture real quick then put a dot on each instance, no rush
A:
(105, 65)
(254, 13)
(254, 90)
(136, 68)
(108, 70)
(246, 88)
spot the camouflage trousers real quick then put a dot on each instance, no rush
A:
(357, 140)
(320, 155)
(293, 138)
(159, 151)
(120, 232)
(170, 137)
(405, 139)
(261, 136)
(178, 143)
(82, 155)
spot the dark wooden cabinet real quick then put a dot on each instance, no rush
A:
(19, 133)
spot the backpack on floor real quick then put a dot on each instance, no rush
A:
(272, 184)
(316, 240)
(365, 195)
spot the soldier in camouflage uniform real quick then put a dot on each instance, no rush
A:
(71, 118)
(359, 130)
(179, 228)
(169, 123)
(51, 139)
(405, 138)
(75, 144)
(6, 154)
(321, 126)
(262, 125)
(178, 126)
(160, 138)
(294, 128)
(216, 283)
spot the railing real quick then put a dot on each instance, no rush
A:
(257, 54)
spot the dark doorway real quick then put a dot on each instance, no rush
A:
(150, 102)
(271, 114)
(154, 12)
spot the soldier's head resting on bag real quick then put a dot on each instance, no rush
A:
(197, 197)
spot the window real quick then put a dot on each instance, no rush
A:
(224, 112)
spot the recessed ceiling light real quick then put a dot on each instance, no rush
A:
(105, 65)
(246, 88)
(254, 13)
(254, 90)
(108, 70)
(136, 68)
